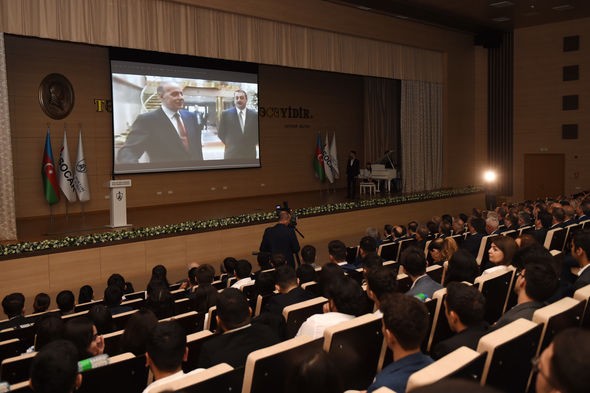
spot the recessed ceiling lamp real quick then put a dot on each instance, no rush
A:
(501, 4)
(563, 7)
(501, 19)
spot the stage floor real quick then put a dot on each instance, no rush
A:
(37, 229)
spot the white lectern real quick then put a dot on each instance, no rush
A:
(119, 202)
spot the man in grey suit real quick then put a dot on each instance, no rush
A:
(414, 264)
(238, 129)
(167, 134)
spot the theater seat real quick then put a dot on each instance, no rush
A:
(297, 313)
(509, 353)
(10, 348)
(191, 321)
(484, 247)
(191, 382)
(16, 369)
(564, 313)
(495, 287)
(120, 320)
(583, 295)
(194, 342)
(463, 362)
(440, 329)
(111, 342)
(268, 369)
(125, 373)
(355, 347)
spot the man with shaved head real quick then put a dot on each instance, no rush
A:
(167, 134)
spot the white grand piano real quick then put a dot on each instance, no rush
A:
(379, 172)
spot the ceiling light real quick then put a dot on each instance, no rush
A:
(501, 19)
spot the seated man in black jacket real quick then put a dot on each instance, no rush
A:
(465, 310)
(238, 336)
(289, 291)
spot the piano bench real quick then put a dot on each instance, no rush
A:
(368, 186)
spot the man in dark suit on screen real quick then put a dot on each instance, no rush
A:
(169, 133)
(238, 129)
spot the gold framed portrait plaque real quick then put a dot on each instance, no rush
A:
(56, 96)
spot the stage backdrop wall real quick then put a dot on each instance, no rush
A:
(334, 102)
(70, 270)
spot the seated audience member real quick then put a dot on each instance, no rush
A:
(525, 240)
(367, 245)
(190, 283)
(315, 374)
(413, 229)
(277, 259)
(263, 259)
(399, 232)
(166, 350)
(405, 322)
(465, 310)
(41, 302)
(583, 211)
(414, 264)
(65, 302)
(458, 226)
(289, 291)
(160, 274)
(536, 283)
(346, 300)
(374, 233)
(113, 295)
(160, 301)
(435, 255)
(381, 281)
(83, 334)
(563, 365)
(558, 216)
(542, 225)
(422, 236)
(228, 266)
(14, 308)
(330, 272)
(205, 295)
(492, 224)
(102, 318)
(477, 230)
(500, 254)
(306, 273)
(137, 332)
(86, 294)
(461, 267)
(116, 279)
(243, 271)
(55, 369)
(387, 233)
(308, 254)
(239, 337)
(48, 328)
(581, 253)
(337, 252)
(455, 385)
(265, 285)
(445, 228)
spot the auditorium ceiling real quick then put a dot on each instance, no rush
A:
(477, 16)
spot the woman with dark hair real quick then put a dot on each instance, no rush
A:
(461, 267)
(159, 273)
(500, 254)
(41, 303)
(48, 328)
(86, 294)
(160, 301)
(83, 334)
(205, 295)
(137, 331)
(102, 318)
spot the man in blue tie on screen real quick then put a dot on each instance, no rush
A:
(167, 134)
(238, 129)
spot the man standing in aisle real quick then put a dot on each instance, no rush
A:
(281, 239)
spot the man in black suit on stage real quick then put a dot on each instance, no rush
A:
(169, 133)
(239, 337)
(353, 169)
(238, 129)
(281, 239)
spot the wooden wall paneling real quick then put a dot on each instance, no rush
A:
(71, 270)
(26, 275)
(170, 252)
(127, 259)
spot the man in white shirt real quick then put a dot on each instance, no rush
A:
(166, 350)
(243, 274)
(346, 300)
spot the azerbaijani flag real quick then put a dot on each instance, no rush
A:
(318, 160)
(48, 172)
